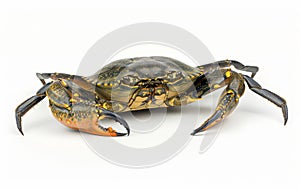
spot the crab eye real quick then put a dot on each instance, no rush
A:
(126, 80)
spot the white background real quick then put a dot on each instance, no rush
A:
(253, 148)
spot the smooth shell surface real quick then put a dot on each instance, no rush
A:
(117, 80)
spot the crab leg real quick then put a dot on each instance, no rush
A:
(79, 80)
(29, 103)
(230, 97)
(226, 64)
(274, 98)
(227, 102)
(239, 66)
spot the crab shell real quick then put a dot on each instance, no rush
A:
(143, 82)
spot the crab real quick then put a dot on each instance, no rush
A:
(142, 83)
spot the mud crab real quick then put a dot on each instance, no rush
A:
(142, 83)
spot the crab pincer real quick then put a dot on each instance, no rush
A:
(110, 131)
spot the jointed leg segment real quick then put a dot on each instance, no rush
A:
(274, 98)
(29, 103)
(77, 113)
(227, 102)
(226, 64)
(85, 114)
(234, 90)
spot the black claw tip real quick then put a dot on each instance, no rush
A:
(285, 121)
(18, 120)
(118, 119)
(213, 119)
(196, 131)
(121, 134)
(21, 132)
(124, 123)
(285, 113)
(20, 129)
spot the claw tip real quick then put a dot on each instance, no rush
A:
(193, 133)
(285, 121)
(21, 132)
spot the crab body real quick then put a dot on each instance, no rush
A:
(142, 83)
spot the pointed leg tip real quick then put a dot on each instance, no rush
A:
(285, 121)
(285, 113)
(21, 132)
(195, 132)
(20, 127)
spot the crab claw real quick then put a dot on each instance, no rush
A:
(117, 118)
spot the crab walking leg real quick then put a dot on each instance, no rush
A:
(227, 102)
(78, 80)
(274, 98)
(29, 103)
(226, 64)
(239, 66)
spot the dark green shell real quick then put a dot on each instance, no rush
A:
(116, 80)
